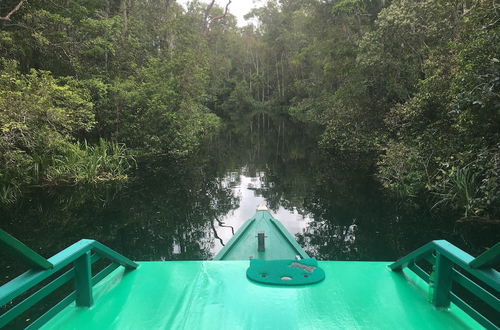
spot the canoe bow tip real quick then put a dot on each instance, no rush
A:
(262, 207)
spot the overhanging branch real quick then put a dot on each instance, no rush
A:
(221, 16)
(207, 11)
(209, 20)
(16, 8)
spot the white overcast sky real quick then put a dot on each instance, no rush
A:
(238, 8)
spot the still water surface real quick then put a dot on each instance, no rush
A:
(186, 210)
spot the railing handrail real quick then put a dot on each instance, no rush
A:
(23, 252)
(80, 254)
(489, 258)
(443, 274)
(454, 254)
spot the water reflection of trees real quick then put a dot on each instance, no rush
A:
(170, 210)
(341, 197)
(352, 218)
(294, 174)
(327, 241)
(164, 213)
(267, 146)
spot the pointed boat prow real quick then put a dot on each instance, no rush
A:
(262, 237)
(262, 207)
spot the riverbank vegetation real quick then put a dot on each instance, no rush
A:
(415, 82)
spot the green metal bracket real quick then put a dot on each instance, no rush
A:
(19, 250)
(490, 258)
(451, 264)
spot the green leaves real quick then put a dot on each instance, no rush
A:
(349, 7)
(460, 190)
(39, 101)
(84, 163)
(160, 109)
(40, 118)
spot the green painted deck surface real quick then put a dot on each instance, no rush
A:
(279, 243)
(217, 295)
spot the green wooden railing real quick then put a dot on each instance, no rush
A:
(79, 257)
(449, 265)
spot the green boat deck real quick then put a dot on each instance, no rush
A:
(415, 292)
(217, 295)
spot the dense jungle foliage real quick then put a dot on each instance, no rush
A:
(88, 86)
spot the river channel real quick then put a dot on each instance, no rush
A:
(188, 209)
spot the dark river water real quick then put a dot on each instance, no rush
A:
(186, 210)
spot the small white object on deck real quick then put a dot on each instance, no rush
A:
(262, 207)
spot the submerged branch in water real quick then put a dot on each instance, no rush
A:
(221, 224)
(215, 233)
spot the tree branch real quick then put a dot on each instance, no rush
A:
(221, 16)
(209, 20)
(207, 11)
(16, 8)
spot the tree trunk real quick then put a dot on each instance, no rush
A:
(124, 10)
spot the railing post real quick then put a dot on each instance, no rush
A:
(83, 281)
(442, 282)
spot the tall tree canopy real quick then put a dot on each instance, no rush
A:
(415, 81)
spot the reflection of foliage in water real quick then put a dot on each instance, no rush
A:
(327, 241)
(352, 217)
(333, 189)
(165, 213)
(169, 209)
